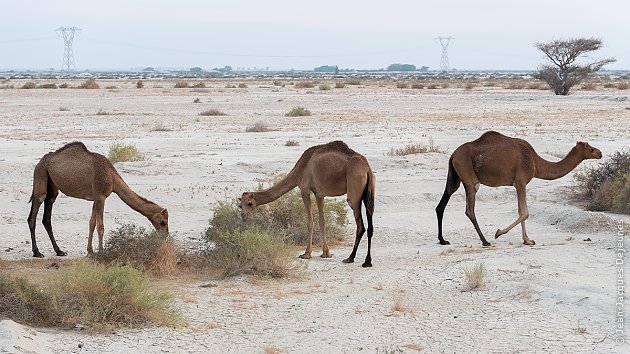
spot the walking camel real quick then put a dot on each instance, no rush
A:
(497, 160)
(327, 170)
(80, 173)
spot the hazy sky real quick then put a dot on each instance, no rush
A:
(294, 34)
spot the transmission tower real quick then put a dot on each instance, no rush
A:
(68, 35)
(444, 41)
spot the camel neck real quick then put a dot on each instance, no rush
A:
(278, 190)
(133, 200)
(553, 170)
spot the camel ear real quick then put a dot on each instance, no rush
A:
(251, 195)
(581, 143)
(164, 213)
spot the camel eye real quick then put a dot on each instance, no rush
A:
(250, 204)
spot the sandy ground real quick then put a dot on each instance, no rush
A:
(556, 296)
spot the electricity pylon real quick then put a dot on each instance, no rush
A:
(68, 36)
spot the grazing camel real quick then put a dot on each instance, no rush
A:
(327, 170)
(497, 160)
(79, 173)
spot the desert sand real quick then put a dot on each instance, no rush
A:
(556, 296)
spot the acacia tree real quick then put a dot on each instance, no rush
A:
(564, 72)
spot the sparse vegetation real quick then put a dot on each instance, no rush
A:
(197, 100)
(415, 148)
(181, 84)
(417, 86)
(258, 127)
(200, 84)
(101, 112)
(212, 112)
(402, 85)
(63, 86)
(305, 84)
(606, 187)
(469, 86)
(119, 152)
(48, 86)
(242, 86)
(589, 86)
(64, 109)
(89, 84)
(150, 252)
(298, 112)
(29, 85)
(353, 81)
(292, 143)
(324, 87)
(623, 86)
(340, 84)
(475, 276)
(26, 303)
(139, 84)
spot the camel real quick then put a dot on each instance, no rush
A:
(497, 160)
(80, 173)
(327, 170)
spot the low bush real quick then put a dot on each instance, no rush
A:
(340, 84)
(139, 84)
(242, 85)
(150, 252)
(353, 81)
(26, 303)
(324, 87)
(181, 84)
(298, 112)
(258, 127)
(475, 276)
(417, 86)
(623, 86)
(606, 187)
(292, 143)
(402, 85)
(119, 152)
(305, 84)
(89, 84)
(200, 84)
(48, 86)
(212, 112)
(29, 85)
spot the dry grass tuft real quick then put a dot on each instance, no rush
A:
(475, 276)
(181, 84)
(29, 85)
(399, 307)
(197, 100)
(324, 87)
(623, 86)
(101, 112)
(305, 84)
(414, 148)
(340, 84)
(292, 143)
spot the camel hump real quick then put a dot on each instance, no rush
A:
(339, 146)
(73, 145)
(491, 135)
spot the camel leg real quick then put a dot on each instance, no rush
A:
(306, 198)
(98, 205)
(358, 219)
(322, 226)
(51, 196)
(100, 226)
(471, 191)
(523, 214)
(32, 222)
(370, 231)
(439, 210)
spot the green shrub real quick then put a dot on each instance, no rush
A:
(26, 303)
(90, 293)
(606, 187)
(298, 112)
(150, 252)
(119, 152)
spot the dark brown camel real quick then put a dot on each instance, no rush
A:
(327, 170)
(497, 160)
(82, 174)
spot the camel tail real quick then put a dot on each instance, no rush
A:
(369, 196)
(452, 179)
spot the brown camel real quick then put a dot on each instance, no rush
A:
(497, 160)
(79, 173)
(327, 170)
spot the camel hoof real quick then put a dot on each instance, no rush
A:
(366, 264)
(348, 260)
(497, 234)
(38, 254)
(529, 242)
(305, 256)
(326, 255)
(444, 242)
(61, 253)
(486, 244)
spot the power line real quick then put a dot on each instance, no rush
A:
(68, 55)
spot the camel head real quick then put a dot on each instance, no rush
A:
(587, 151)
(248, 204)
(160, 221)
